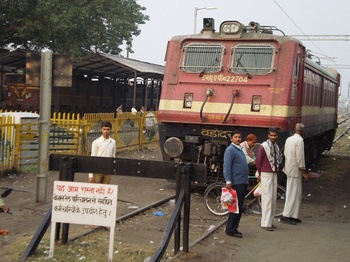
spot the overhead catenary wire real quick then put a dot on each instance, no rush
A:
(310, 38)
(306, 36)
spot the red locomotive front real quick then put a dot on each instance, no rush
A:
(245, 78)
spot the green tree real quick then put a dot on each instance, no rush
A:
(77, 27)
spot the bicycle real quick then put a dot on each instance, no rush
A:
(212, 199)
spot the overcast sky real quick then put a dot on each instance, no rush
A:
(298, 17)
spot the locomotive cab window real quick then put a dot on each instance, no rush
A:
(14, 78)
(252, 59)
(202, 58)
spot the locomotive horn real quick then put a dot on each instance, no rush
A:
(254, 26)
(208, 24)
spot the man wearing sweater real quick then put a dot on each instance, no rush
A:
(236, 176)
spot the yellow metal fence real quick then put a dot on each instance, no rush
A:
(7, 142)
(71, 134)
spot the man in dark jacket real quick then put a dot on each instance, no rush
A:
(236, 176)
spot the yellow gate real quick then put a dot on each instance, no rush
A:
(69, 134)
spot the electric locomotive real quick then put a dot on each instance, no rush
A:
(247, 78)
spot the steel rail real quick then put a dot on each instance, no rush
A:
(343, 133)
(129, 215)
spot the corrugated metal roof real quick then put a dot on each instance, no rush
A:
(16, 58)
(118, 66)
(100, 64)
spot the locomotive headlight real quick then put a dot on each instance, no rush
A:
(173, 147)
(188, 100)
(230, 27)
(256, 103)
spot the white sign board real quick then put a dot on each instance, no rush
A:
(84, 203)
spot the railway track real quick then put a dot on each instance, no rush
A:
(203, 223)
(130, 215)
(341, 130)
(341, 135)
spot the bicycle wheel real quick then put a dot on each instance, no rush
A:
(212, 195)
(281, 198)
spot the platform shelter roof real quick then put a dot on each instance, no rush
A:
(98, 64)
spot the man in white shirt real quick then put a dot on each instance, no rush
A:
(295, 170)
(104, 146)
(133, 110)
(119, 110)
(150, 125)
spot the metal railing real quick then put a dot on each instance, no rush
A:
(70, 134)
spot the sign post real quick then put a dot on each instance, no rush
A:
(84, 203)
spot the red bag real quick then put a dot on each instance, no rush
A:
(231, 207)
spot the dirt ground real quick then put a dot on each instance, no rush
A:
(324, 234)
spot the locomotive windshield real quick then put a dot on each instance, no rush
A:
(252, 59)
(14, 78)
(200, 58)
(249, 59)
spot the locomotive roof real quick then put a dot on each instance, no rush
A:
(331, 72)
(249, 35)
(236, 30)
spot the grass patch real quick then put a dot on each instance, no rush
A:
(92, 247)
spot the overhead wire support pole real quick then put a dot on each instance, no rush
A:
(322, 37)
(337, 66)
(44, 125)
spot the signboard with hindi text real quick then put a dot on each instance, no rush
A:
(84, 203)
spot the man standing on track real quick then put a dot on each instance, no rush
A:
(236, 176)
(267, 162)
(104, 146)
(295, 170)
